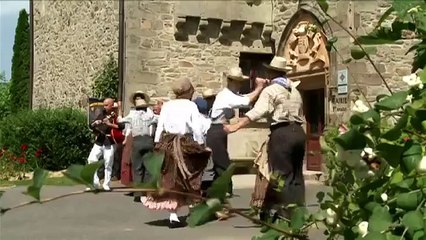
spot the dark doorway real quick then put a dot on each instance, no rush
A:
(252, 65)
(315, 117)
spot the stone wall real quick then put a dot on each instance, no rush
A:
(72, 40)
(164, 44)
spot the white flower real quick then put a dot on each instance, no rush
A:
(351, 157)
(384, 197)
(422, 164)
(331, 216)
(360, 107)
(330, 220)
(331, 213)
(409, 98)
(368, 152)
(363, 228)
(413, 80)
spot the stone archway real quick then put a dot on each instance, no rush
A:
(304, 44)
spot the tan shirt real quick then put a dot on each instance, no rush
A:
(279, 105)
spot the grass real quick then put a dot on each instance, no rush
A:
(56, 181)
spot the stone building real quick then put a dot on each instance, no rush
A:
(166, 40)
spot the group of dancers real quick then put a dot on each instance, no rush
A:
(193, 136)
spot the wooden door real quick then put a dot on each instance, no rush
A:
(315, 115)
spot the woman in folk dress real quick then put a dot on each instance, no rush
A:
(179, 134)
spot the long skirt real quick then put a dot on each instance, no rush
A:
(183, 166)
(286, 151)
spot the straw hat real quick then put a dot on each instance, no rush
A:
(208, 93)
(235, 73)
(279, 64)
(145, 98)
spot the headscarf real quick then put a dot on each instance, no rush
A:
(201, 105)
(282, 81)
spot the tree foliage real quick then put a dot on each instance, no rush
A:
(105, 84)
(20, 79)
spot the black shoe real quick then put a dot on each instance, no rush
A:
(137, 199)
(175, 224)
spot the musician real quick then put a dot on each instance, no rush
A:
(105, 126)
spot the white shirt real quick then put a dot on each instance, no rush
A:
(227, 99)
(140, 122)
(180, 117)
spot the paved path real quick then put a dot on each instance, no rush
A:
(113, 216)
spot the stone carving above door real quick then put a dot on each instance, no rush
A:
(305, 48)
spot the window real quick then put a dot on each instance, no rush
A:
(252, 65)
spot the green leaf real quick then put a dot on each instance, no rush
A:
(409, 201)
(154, 162)
(203, 212)
(396, 178)
(419, 235)
(385, 15)
(39, 177)
(393, 102)
(89, 170)
(413, 220)
(323, 5)
(411, 156)
(395, 133)
(73, 172)
(83, 174)
(298, 218)
(332, 40)
(221, 185)
(380, 220)
(357, 53)
(319, 216)
(374, 236)
(324, 146)
(351, 140)
(271, 234)
(392, 153)
(365, 117)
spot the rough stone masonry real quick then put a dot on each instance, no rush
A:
(72, 39)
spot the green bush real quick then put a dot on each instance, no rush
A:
(4, 100)
(52, 138)
(105, 84)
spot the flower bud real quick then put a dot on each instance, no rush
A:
(422, 164)
(363, 228)
(384, 197)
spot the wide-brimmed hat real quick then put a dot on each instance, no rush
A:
(278, 64)
(145, 98)
(235, 73)
(209, 93)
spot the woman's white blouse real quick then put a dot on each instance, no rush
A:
(180, 117)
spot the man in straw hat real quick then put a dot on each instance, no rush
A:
(139, 122)
(180, 136)
(282, 103)
(105, 143)
(222, 111)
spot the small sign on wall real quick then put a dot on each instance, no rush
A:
(342, 82)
